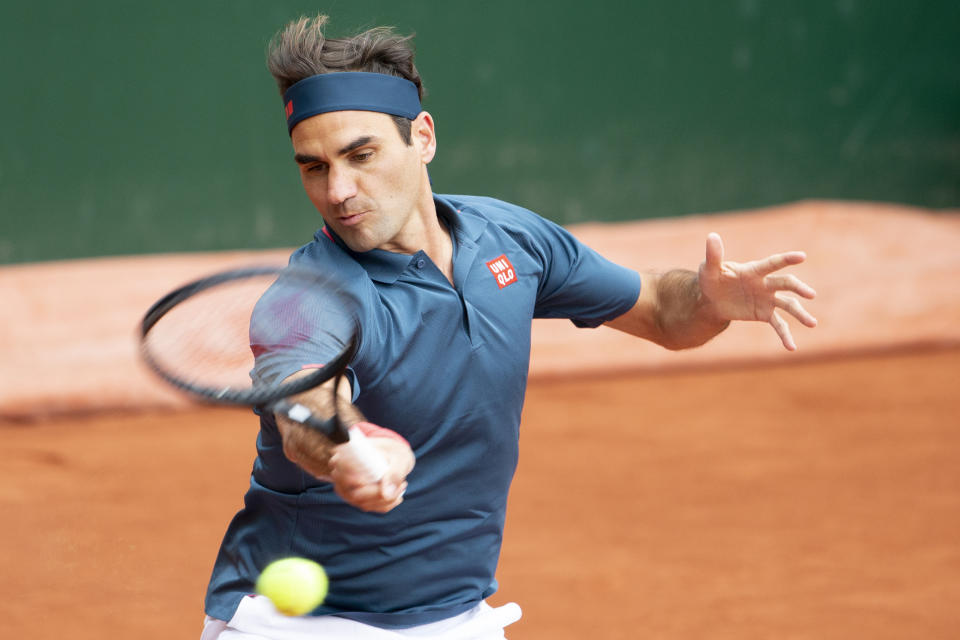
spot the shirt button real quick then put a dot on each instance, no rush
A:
(420, 263)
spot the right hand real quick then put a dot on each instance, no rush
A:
(317, 455)
(352, 482)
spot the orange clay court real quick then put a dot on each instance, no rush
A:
(735, 491)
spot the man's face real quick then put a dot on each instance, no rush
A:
(365, 181)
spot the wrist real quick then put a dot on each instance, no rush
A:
(709, 312)
(371, 430)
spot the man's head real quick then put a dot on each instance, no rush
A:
(344, 98)
(301, 50)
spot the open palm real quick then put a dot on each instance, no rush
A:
(754, 290)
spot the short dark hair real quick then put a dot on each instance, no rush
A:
(301, 50)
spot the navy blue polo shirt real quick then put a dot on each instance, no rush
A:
(445, 365)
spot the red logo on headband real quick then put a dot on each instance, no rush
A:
(290, 108)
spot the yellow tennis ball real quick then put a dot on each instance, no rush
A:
(295, 585)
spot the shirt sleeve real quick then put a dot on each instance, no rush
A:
(289, 333)
(299, 323)
(578, 283)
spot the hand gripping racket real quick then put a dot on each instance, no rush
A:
(233, 338)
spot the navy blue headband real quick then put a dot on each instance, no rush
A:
(350, 91)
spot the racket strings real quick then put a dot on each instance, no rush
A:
(205, 339)
(247, 333)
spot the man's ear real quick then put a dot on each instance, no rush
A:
(424, 136)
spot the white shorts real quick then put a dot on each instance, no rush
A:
(257, 619)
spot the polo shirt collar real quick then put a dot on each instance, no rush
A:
(465, 223)
(386, 266)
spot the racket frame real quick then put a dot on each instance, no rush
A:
(255, 396)
(272, 398)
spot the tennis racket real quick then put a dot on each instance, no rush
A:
(236, 337)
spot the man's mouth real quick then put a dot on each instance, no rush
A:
(350, 219)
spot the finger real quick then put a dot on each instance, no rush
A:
(383, 508)
(714, 251)
(792, 283)
(387, 501)
(371, 498)
(349, 476)
(778, 261)
(360, 496)
(794, 308)
(783, 330)
(390, 491)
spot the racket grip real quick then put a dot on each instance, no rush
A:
(355, 443)
(366, 455)
(299, 413)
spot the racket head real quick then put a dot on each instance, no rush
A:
(210, 337)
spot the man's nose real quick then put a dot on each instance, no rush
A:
(341, 185)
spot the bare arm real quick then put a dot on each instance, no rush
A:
(681, 309)
(323, 459)
(671, 311)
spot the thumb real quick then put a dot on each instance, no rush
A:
(714, 252)
(390, 489)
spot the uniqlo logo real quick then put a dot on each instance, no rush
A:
(503, 271)
(289, 108)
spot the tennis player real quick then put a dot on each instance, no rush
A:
(448, 287)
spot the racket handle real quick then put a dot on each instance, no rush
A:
(299, 413)
(355, 443)
(366, 455)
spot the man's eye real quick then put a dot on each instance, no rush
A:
(317, 168)
(363, 156)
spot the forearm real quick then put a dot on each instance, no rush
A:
(305, 446)
(684, 317)
(680, 309)
(671, 311)
(341, 464)
(320, 401)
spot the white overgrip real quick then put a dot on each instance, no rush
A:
(368, 456)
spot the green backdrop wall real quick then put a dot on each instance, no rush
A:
(135, 127)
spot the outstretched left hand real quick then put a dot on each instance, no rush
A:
(753, 291)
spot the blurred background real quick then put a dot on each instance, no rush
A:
(154, 127)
